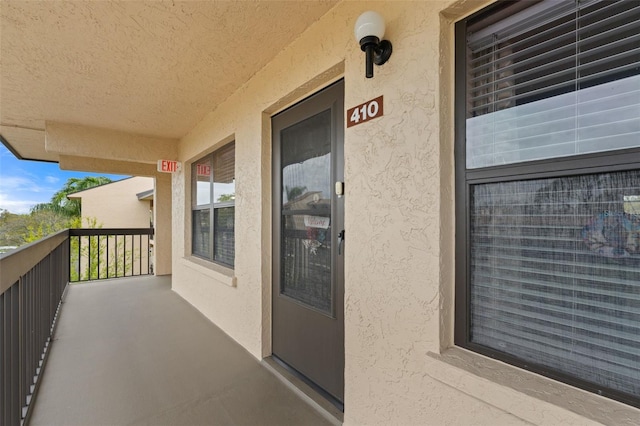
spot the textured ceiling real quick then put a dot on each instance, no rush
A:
(146, 67)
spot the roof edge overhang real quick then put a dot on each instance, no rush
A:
(145, 195)
(26, 144)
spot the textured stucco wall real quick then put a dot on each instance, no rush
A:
(162, 224)
(84, 141)
(400, 367)
(116, 205)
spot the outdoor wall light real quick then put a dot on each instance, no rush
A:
(369, 31)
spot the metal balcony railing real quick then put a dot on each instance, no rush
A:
(97, 254)
(33, 280)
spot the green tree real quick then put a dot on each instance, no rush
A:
(40, 223)
(46, 218)
(84, 252)
(103, 256)
(19, 229)
(71, 208)
(295, 192)
(12, 228)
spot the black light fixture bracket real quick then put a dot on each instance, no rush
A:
(377, 52)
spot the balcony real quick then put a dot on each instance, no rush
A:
(123, 350)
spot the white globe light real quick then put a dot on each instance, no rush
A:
(369, 24)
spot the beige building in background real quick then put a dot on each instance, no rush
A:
(127, 203)
(123, 204)
(192, 85)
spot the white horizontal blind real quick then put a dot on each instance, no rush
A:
(213, 206)
(224, 235)
(555, 274)
(224, 191)
(560, 78)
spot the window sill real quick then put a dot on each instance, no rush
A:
(212, 270)
(564, 403)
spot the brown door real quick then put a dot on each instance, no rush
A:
(308, 239)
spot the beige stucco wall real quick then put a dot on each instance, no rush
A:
(162, 223)
(84, 141)
(116, 205)
(401, 366)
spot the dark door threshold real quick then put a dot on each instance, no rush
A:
(327, 405)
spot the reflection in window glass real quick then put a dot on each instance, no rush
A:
(224, 184)
(214, 206)
(203, 181)
(201, 231)
(599, 118)
(306, 211)
(563, 80)
(310, 176)
(555, 274)
(224, 235)
(306, 161)
(632, 204)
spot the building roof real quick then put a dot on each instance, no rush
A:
(145, 195)
(125, 181)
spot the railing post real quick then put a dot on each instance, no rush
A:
(69, 258)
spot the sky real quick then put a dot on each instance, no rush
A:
(24, 184)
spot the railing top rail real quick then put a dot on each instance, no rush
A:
(16, 262)
(83, 232)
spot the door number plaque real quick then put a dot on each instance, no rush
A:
(365, 112)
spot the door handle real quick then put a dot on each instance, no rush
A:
(340, 241)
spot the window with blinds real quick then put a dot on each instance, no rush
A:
(555, 273)
(559, 78)
(213, 206)
(548, 190)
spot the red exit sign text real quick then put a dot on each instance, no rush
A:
(169, 166)
(203, 170)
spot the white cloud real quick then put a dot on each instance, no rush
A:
(16, 183)
(16, 205)
(18, 194)
(13, 184)
(51, 179)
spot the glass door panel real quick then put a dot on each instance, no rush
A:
(306, 211)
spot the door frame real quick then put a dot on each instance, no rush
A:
(337, 213)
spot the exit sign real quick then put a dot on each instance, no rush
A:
(169, 166)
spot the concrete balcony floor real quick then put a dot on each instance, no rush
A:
(132, 352)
